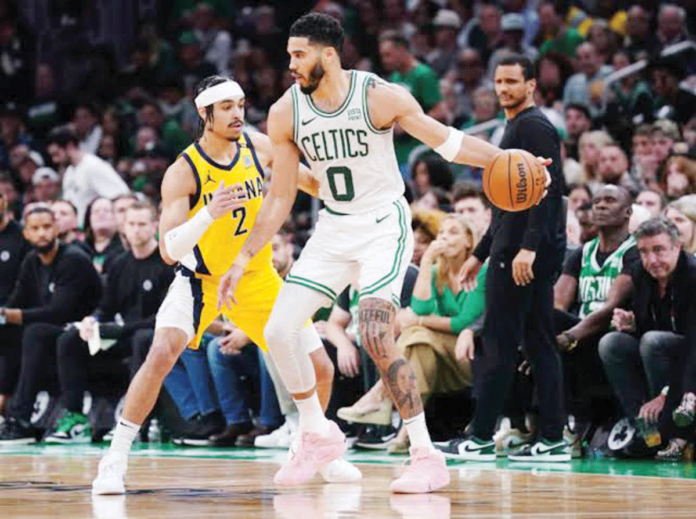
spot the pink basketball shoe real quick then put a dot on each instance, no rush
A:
(314, 450)
(426, 473)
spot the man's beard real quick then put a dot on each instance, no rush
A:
(44, 249)
(514, 104)
(314, 78)
(235, 139)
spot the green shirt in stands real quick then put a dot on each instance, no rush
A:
(566, 44)
(463, 308)
(595, 280)
(423, 84)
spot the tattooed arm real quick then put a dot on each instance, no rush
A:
(389, 103)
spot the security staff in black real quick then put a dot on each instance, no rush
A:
(525, 254)
(57, 285)
(13, 248)
(138, 281)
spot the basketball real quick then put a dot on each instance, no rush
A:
(514, 181)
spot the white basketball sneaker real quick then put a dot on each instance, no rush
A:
(336, 471)
(281, 438)
(112, 472)
(509, 440)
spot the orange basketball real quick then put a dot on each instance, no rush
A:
(514, 180)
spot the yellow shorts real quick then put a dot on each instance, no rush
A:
(191, 304)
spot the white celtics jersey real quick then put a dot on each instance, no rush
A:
(354, 162)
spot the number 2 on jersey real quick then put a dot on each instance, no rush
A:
(242, 212)
(348, 192)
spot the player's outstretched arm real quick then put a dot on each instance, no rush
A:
(278, 201)
(389, 103)
(264, 151)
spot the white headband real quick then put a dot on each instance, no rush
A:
(227, 90)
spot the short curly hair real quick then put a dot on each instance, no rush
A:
(319, 28)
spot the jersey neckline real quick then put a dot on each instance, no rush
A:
(345, 104)
(216, 164)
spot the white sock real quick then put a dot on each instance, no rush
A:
(123, 436)
(418, 432)
(312, 417)
(293, 420)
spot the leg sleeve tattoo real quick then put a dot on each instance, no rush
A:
(376, 320)
(401, 382)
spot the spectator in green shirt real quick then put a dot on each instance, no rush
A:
(553, 35)
(174, 138)
(418, 78)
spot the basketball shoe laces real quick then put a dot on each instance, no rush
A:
(303, 454)
(414, 463)
(111, 467)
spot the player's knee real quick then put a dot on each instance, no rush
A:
(323, 367)
(163, 354)
(275, 333)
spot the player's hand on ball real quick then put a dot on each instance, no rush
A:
(228, 286)
(522, 271)
(545, 162)
(226, 199)
(468, 273)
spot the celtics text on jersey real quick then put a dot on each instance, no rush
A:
(594, 280)
(353, 161)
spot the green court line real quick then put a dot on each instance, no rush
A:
(625, 468)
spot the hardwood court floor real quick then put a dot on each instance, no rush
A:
(168, 483)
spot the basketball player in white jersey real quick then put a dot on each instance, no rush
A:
(342, 122)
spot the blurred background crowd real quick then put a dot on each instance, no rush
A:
(96, 103)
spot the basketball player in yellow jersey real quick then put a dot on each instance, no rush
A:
(210, 199)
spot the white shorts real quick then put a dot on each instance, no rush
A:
(177, 309)
(374, 249)
(191, 306)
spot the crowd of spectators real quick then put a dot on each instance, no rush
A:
(83, 151)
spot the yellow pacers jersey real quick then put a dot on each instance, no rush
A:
(219, 246)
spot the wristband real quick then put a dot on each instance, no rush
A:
(181, 240)
(449, 149)
(243, 259)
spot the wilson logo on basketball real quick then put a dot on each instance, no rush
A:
(514, 181)
(521, 183)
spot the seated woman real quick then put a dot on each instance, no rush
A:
(425, 224)
(102, 242)
(682, 213)
(440, 311)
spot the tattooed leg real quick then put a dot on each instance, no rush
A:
(401, 382)
(376, 318)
